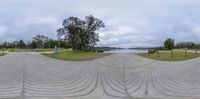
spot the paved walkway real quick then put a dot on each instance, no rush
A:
(118, 76)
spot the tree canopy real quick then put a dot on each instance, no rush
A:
(169, 43)
(40, 40)
(81, 34)
(186, 45)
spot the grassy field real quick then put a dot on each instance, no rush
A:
(42, 50)
(166, 55)
(1, 52)
(75, 56)
(12, 50)
(8, 49)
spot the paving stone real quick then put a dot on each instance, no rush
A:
(26, 75)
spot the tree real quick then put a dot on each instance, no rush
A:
(40, 40)
(32, 44)
(21, 44)
(186, 45)
(5, 44)
(93, 24)
(80, 34)
(169, 43)
(15, 44)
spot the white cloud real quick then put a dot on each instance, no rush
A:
(197, 30)
(36, 20)
(119, 31)
(129, 23)
(3, 30)
(196, 33)
(40, 20)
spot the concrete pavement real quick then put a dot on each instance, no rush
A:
(118, 76)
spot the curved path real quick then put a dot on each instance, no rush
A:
(118, 76)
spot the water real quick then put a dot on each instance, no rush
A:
(127, 51)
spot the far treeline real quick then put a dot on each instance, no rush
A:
(39, 41)
(75, 33)
(170, 44)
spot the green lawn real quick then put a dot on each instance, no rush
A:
(42, 50)
(1, 54)
(12, 50)
(76, 56)
(8, 49)
(166, 55)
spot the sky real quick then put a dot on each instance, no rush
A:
(129, 23)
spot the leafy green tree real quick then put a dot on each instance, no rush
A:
(92, 25)
(186, 45)
(21, 44)
(80, 34)
(40, 40)
(52, 43)
(5, 45)
(169, 43)
(32, 44)
(15, 44)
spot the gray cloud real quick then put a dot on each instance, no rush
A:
(129, 23)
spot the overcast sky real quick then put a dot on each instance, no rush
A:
(129, 23)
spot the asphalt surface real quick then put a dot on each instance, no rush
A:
(26, 75)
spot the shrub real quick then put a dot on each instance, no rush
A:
(94, 51)
(151, 51)
(87, 50)
(100, 51)
(161, 48)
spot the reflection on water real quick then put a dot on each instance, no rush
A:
(127, 51)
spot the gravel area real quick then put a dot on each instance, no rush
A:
(118, 76)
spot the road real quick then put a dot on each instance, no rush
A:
(118, 76)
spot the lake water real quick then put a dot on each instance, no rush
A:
(127, 51)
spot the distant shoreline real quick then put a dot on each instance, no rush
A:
(118, 48)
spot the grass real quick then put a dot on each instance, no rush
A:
(1, 53)
(166, 55)
(12, 50)
(42, 50)
(75, 56)
(36, 50)
(8, 49)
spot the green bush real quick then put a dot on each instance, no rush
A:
(94, 51)
(151, 51)
(100, 51)
(161, 48)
